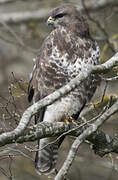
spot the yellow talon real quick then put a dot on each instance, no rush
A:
(66, 121)
(70, 119)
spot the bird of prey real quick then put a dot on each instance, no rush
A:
(67, 50)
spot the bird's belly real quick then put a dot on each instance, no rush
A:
(72, 103)
(63, 108)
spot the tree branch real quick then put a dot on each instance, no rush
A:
(94, 5)
(91, 129)
(18, 17)
(6, 137)
(99, 25)
(102, 143)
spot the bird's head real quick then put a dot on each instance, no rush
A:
(68, 16)
(59, 16)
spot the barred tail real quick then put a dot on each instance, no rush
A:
(46, 156)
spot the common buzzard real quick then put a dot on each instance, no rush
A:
(66, 51)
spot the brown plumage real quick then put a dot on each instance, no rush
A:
(64, 53)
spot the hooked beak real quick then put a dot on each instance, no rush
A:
(50, 21)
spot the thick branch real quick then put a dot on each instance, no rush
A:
(102, 142)
(54, 96)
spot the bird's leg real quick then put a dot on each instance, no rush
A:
(70, 120)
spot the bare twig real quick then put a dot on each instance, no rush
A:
(18, 40)
(100, 27)
(106, 84)
(110, 79)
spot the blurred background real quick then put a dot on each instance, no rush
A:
(22, 31)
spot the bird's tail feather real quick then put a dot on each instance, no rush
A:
(46, 156)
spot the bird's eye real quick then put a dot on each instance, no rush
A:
(60, 15)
